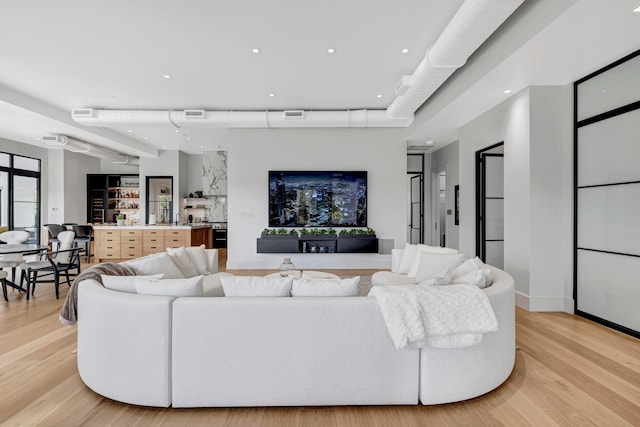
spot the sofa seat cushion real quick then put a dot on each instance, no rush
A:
(191, 287)
(389, 278)
(212, 285)
(252, 286)
(325, 287)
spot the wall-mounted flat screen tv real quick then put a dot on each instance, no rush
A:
(317, 199)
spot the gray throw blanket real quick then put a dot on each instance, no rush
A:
(69, 312)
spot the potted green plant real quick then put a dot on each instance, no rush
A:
(358, 240)
(318, 234)
(279, 240)
(120, 219)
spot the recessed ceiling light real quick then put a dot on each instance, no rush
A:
(166, 76)
(202, 146)
(164, 146)
(379, 95)
(146, 137)
(129, 130)
(177, 130)
(405, 50)
(255, 50)
(37, 139)
(637, 9)
(188, 138)
(331, 50)
(508, 91)
(272, 95)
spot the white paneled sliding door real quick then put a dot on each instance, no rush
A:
(607, 195)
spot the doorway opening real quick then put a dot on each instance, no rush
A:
(490, 204)
(439, 204)
(415, 208)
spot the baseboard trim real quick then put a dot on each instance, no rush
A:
(544, 303)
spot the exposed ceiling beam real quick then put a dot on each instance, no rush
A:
(116, 141)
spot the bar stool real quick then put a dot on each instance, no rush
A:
(84, 234)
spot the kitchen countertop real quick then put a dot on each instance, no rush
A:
(157, 227)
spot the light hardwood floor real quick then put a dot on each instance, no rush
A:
(569, 372)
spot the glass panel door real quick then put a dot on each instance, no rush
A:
(159, 199)
(4, 200)
(25, 206)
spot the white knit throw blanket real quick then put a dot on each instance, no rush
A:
(452, 316)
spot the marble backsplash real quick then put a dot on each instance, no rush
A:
(214, 173)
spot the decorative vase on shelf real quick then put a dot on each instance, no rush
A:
(287, 268)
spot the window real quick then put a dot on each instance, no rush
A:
(20, 194)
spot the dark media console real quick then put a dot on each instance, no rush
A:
(317, 244)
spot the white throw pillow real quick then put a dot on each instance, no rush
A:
(191, 287)
(156, 264)
(325, 287)
(199, 259)
(469, 266)
(124, 283)
(426, 248)
(408, 257)
(251, 286)
(436, 265)
(183, 261)
(473, 277)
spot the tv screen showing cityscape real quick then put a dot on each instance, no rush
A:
(317, 199)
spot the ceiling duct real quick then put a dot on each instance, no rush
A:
(245, 119)
(471, 26)
(77, 146)
(65, 142)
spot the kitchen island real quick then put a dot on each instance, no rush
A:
(112, 242)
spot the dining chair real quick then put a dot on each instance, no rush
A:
(51, 265)
(54, 230)
(84, 234)
(13, 260)
(3, 278)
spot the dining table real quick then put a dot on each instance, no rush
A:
(20, 248)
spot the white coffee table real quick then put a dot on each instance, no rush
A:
(304, 274)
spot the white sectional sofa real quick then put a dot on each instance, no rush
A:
(265, 351)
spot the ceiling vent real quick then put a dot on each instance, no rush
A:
(403, 85)
(194, 114)
(294, 114)
(83, 112)
(59, 140)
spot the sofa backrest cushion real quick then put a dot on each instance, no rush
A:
(191, 287)
(437, 265)
(325, 287)
(124, 283)
(156, 264)
(413, 270)
(183, 261)
(252, 286)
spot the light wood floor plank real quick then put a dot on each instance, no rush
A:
(569, 371)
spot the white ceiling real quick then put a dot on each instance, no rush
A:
(59, 55)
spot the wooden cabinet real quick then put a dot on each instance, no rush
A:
(128, 243)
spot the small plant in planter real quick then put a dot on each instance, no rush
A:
(279, 233)
(358, 232)
(120, 219)
(318, 233)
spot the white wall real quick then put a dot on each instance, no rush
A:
(252, 153)
(76, 168)
(446, 159)
(551, 199)
(534, 127)
(28, 150)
